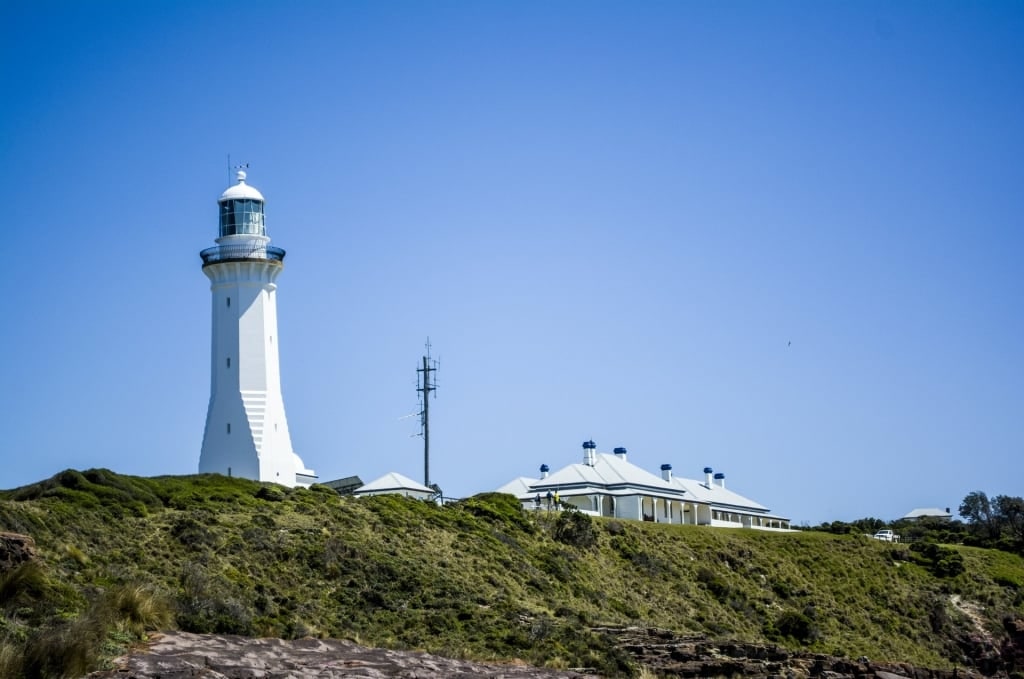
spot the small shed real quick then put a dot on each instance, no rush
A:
(394, 483)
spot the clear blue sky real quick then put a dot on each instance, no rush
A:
(783, 239)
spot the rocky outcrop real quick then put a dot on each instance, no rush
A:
(179, 655)
(15, 549)
(669, 655)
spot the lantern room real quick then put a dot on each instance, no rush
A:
(241, 210)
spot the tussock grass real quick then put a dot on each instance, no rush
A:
(21, 585)
(11, 659)
(71, 650)
(139, 608)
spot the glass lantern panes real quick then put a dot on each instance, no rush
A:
(242, 216)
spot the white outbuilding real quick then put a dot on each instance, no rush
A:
(246, 431)
(394, 483)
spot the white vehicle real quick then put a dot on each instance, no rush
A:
(886, 535)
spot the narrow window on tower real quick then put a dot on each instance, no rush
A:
(229, 427)
(229, 361)
(229, 301)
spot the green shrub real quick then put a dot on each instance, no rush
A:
(944, 562)
(193, 530)
(615, 528)
(270, 493)
(211, 605)
(576, 529)
(795, 626)
(500, 508)
(714, 582)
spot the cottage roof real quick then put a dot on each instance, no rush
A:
(520, 487)
(393, 481)
(715, 494)
(928, 511)
(610, 473)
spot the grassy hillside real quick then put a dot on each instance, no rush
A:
(478, 579)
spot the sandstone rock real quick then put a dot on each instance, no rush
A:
(693, 657)
(179, 655)
(15, 549)
(882, 674)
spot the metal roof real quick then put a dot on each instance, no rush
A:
(609, 472)
(520, 487)
(393, 481)
(715, 495)
(932, 511)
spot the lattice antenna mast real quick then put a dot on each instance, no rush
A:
(424, 385)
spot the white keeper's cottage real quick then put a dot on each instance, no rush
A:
(246, 429)
(607, 484)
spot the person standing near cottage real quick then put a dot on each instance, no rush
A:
(549, 499)
(558, 502)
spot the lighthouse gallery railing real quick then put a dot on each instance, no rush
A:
(241, 251)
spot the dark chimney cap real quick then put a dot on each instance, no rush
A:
(589, 445)
(666, 467)
(545, 468)
(708, 470)
(719, 476)
(619, 451)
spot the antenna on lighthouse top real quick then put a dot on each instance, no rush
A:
(239, 171)
(424, 385)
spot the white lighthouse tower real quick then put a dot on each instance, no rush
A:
(246, 429)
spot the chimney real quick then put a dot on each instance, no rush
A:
(720, 479)
(589, 456)
(544, 469)
(620, 453)
(707, 476)
(666, 472)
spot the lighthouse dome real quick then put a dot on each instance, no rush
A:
(240, 191)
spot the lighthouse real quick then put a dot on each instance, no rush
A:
(246, 429)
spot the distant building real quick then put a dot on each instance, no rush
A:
(607, 484)
(246, 431)
(928, 513)
(394, 483)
